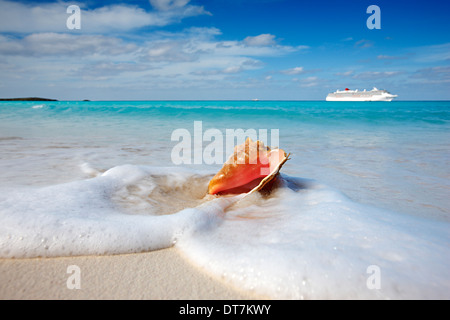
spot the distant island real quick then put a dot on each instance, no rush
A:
(28, 99)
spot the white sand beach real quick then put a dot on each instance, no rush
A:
(161, 274)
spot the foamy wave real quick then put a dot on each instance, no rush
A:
(308, 241)
(303, 240)
(82, 218)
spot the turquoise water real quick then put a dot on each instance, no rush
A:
(313, 112)
(367, 184)
(398, 151)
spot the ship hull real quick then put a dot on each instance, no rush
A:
(356, 95)
(359, 98)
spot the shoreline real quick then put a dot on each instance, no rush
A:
(156, 275)
(27, 99)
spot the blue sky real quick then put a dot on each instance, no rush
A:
(223, 49)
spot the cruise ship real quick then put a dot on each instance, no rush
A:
(356, 95)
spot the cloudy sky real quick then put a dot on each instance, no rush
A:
(223, 49)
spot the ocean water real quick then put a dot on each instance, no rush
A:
(361, 210)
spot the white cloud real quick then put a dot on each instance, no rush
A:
(232, 69)
(168, 51)
(168, 4)
(181, 7)
(102, 71)
(19, 17)
(363, 43)
(310, 82)
(189, 45)
(439, 74)
(345, 74)
(387, 57)
(261, 40)
(292, 71)
(194, 57)
(433, 53)
(119, 18)
(60, 44)
(372, 75)
(224, 71)
(37, 51)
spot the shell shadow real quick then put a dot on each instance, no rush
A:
(297, 184)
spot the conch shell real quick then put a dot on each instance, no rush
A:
(249, 169)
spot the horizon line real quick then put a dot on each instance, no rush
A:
(154, 100)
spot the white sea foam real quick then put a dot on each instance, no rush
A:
(305, 240)
(80, 218)
(311, 242)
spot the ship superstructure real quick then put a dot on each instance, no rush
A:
(357, 95)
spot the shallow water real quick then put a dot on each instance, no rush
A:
(367, 185)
